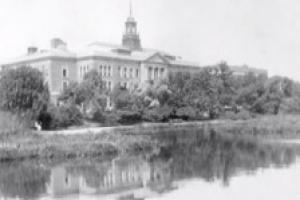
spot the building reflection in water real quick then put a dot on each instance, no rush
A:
(135, 175)
(129, 175)
(206, 158)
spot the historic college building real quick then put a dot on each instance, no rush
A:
(127, 64)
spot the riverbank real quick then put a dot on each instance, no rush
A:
(111, 141)
(282, 126)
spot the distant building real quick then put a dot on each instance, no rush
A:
(128, 64)
(244, 69)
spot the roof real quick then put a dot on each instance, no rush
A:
(102, 50)
(61, 53)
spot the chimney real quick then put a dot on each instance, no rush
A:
(31, 50)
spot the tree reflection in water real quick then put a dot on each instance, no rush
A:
(180, 155)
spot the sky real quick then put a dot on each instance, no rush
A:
(260, 33)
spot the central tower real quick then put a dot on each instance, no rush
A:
(131, 38)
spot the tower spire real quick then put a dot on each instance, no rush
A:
(131, 38)
(130, 9)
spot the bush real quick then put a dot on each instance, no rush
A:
(242, 115)
(106, 118)
(129, 117)
(159, 114)
(61, 117)
(186, 113)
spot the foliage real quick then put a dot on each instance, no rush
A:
(23, 91)
(106, 118)
(186, 113)
(160, 114)
(90, 93)
(241, 115)
(122, 98)
(129, 117)
(61, 117)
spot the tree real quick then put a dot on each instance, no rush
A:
(23, 91)
(90, 93)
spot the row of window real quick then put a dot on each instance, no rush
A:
(105, 70)
(155, 73)
(108, 85)
(83, 70)
(128, 72)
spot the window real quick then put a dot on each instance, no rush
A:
(119, 71)
(162, 71)
(104, 71)
(149, 73)
(109, 86)
(65, 73)
(155, 73)
(130, 73)
(125, 72)
(86, 68)
(100, 70)
(109, 73)
(137, 73)
(65, 85)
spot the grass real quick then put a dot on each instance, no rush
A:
(33, 145)
(274, 126)
(11, 124)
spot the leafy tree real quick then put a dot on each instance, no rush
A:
(90, 93)
(122, 98)
(249, 89)
(23, 91)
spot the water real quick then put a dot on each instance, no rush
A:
(183, 167)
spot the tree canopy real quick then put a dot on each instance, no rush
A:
(23, 91)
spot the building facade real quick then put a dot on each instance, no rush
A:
(128, 64)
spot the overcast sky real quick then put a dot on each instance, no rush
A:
(260, 33)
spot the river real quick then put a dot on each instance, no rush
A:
(183, 166)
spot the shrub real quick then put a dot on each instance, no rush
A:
(106, 118)
(159, 114)
(61, 117)
(129, 117)
(242, 115)
(186, 113)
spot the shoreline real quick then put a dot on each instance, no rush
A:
(133, 139)
(146, 125)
